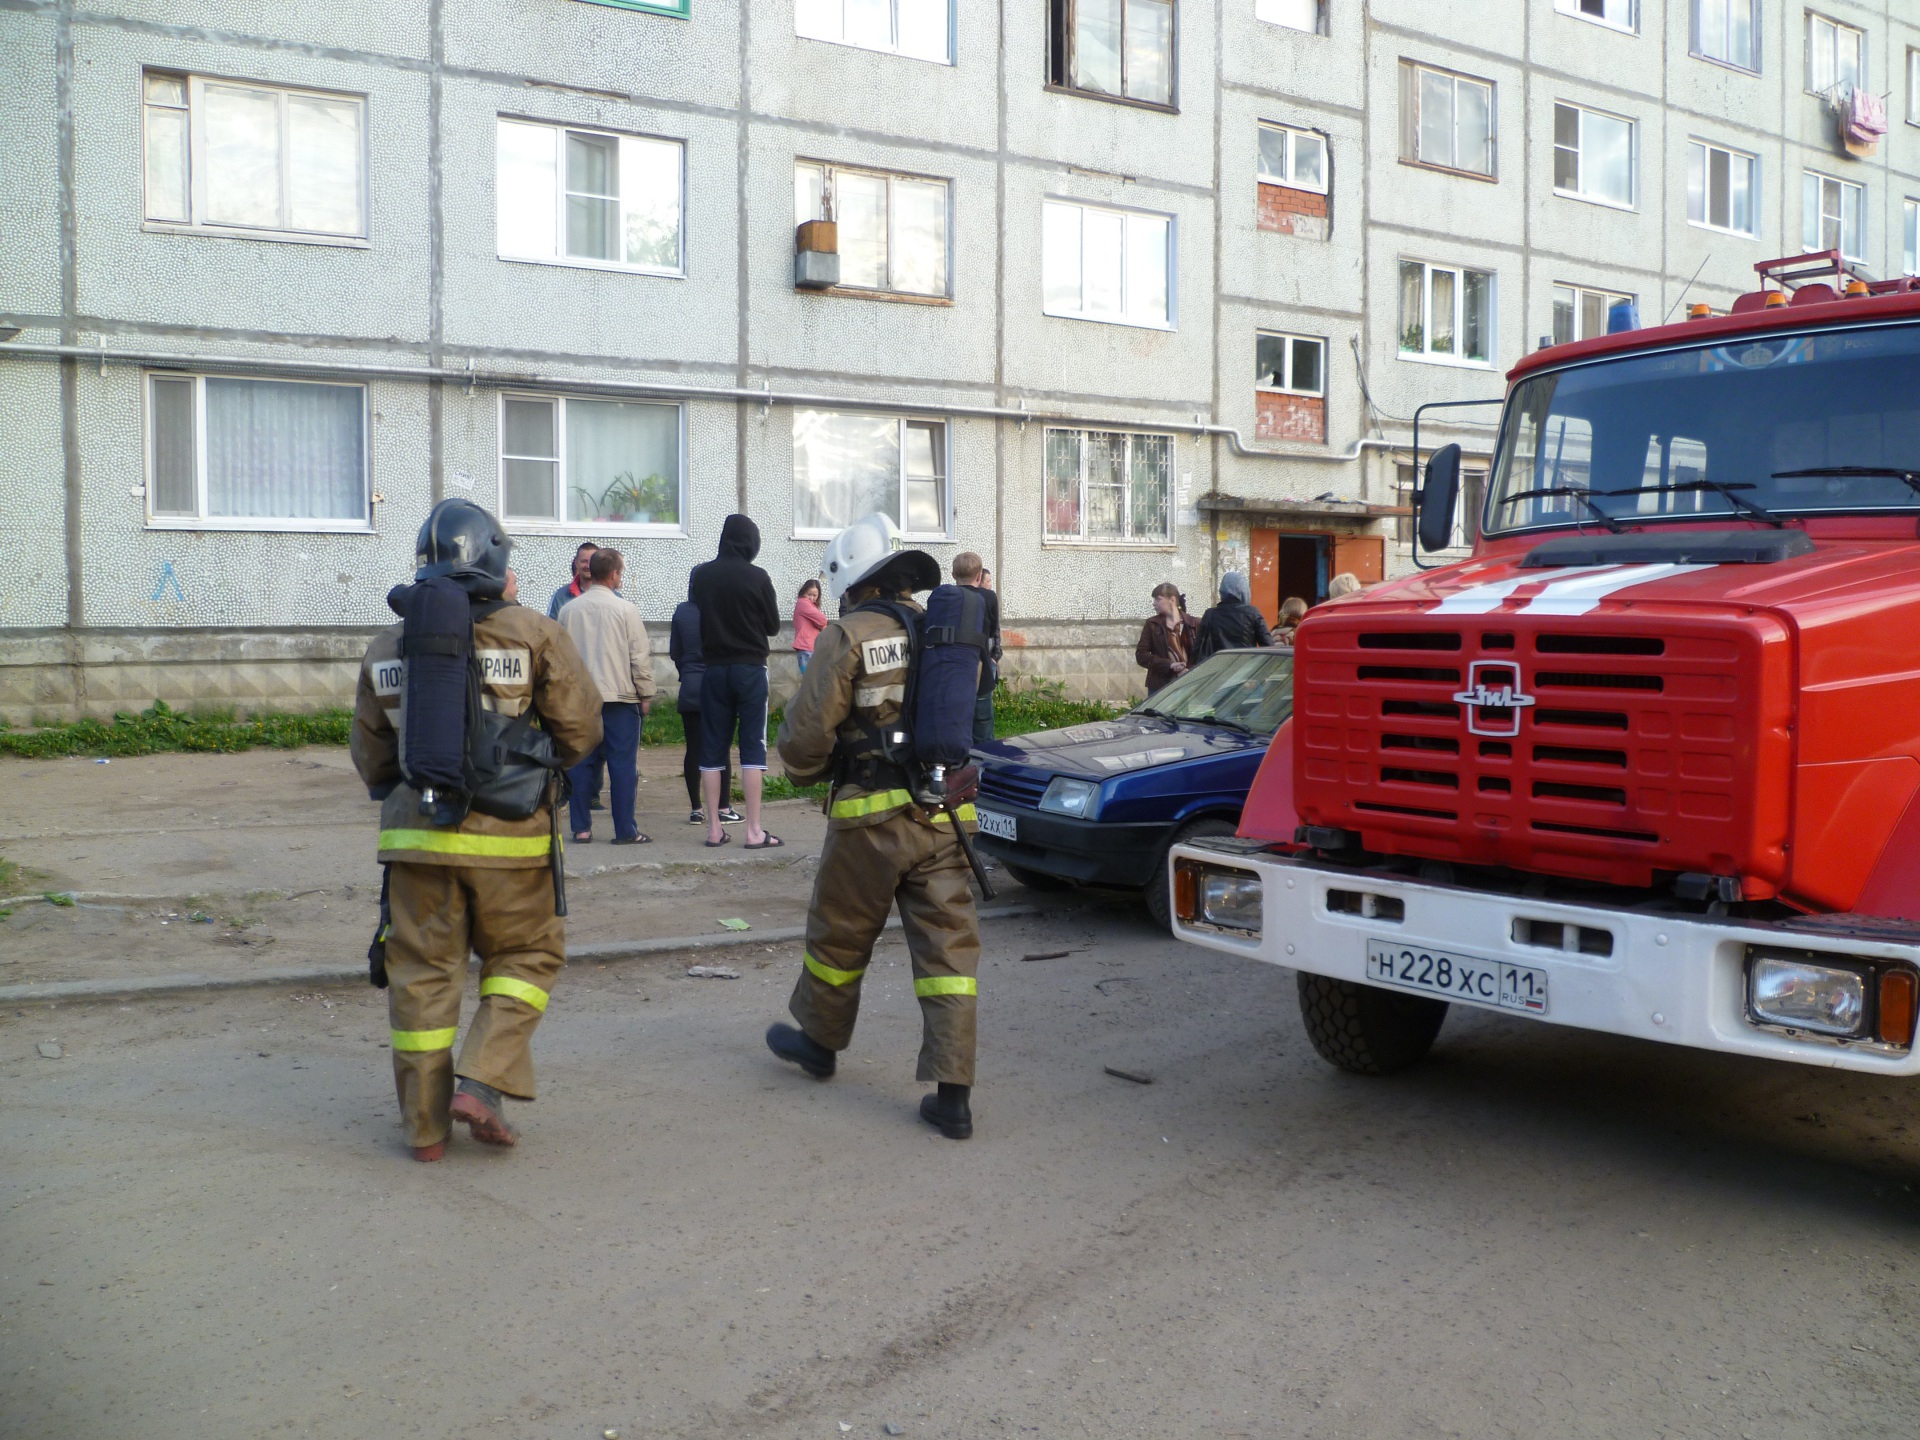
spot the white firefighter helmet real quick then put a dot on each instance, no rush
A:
(867, 546)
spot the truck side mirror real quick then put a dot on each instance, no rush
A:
(1433, 510)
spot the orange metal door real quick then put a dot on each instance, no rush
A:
(1263, 572)
(1363, 555)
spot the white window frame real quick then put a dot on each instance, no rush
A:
(1129, 542)
(1410, 124)
(801, 18)
(362, 525)
(1427, 355)
(829, 169)
(1294, 134)
(1265, 13)
(587, 262)
(1706, 149)
(1292, 340)
(1591, 197)
(1910, 240)
(1173, 264)
(1858, 253)
(1630, 27)
(1913, 85)
(1822, 29)
(198, 165)
(1695, 46)
(559, 525)
(1580, 292)
(944, 450)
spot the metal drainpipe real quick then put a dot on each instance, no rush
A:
(511, 380)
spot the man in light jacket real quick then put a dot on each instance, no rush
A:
(612, 639)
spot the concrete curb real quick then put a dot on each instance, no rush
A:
(160, 985)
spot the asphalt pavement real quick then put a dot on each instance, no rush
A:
(208, 1226)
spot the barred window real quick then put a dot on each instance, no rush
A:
(1109, 487)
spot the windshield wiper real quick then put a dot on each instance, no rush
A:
(1758, 512)
(1909, 478)
(1224, 724)
(1582, 496)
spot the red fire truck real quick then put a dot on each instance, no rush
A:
(1649, 761)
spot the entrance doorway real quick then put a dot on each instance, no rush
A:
(1286, 563)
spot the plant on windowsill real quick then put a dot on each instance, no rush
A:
(1413, 339)
(630, 502)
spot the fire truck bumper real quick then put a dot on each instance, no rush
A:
(1818, 995)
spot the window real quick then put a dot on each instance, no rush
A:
(651, 7)
(225, 452)
(1620, 14)
(1910, 251)
(1446, 120)
(893, 228)
(1296, 158)
(918, 29)
(1122, 48)
(1308, 15)
(1913, 87)
(1833, 216)
(1592, 156)
(1723, 30)
(581, 197)
(1291, 364)
(566, 461)
(1446, 313)
(1836, 54)
(238, 158)
(1109, 487)
(1580, 314)
(849, 465)
(1113, 265)
(1722, 187)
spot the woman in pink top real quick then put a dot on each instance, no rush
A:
(808, 621)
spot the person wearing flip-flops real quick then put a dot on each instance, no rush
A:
(738, 615)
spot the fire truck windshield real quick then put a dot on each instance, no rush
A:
(1821, 421)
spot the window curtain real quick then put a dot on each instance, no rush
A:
(844, 467)
(286, 451)
(623, 462)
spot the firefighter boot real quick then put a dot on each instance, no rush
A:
(948, 1112)
(792, 1043)
(482, 1110)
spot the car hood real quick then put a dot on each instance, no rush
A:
(1102, 749)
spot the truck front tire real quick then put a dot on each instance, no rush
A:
(1365, 1030)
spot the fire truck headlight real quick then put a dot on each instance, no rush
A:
(1796, 992)
(1230, 899)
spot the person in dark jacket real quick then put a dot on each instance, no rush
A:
(683, 648)
(1166, 645)
(738, 613)
(1233, 623)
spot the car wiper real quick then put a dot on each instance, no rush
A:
(1225, 724)
(1582, 496)
(1909, 478)
(1725, 491)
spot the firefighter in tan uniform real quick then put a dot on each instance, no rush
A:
(881, 849)
(482, 885)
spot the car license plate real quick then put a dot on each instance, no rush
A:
(1458, 977)
(992, 822)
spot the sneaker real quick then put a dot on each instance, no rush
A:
(731, 816)
(794, 1044)
(481, 1108)
(697, 817)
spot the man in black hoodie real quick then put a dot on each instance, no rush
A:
(738, 613)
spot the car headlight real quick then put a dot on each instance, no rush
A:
(1797, 992)
(1230, 898)
(1078, 798)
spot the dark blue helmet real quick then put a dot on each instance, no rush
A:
(461, 541)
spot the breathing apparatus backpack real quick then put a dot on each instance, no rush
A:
(947, 651)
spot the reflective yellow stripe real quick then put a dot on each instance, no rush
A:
(946, 985)
(831, 975)
(515, 989)
(965, 812)
(425, 1039)
(869, 804)
(454, 842)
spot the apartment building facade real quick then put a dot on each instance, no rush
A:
(1109, 291)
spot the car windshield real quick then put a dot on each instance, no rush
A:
(1775, 425)
(1249, 690)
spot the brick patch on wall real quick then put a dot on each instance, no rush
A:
(1300, 418)
(1287, 211)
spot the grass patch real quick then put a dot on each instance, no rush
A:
(1022, 706)
(161, 728)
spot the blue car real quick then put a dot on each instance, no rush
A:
(1101, 804)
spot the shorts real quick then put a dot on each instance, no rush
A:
(733, 697)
